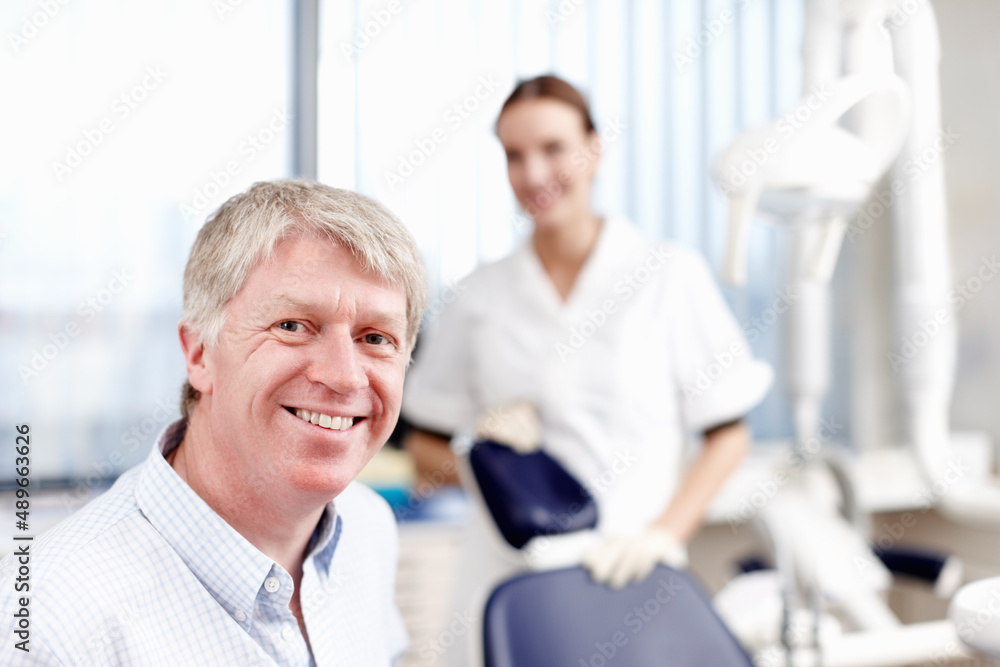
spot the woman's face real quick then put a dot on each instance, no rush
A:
(551, 159)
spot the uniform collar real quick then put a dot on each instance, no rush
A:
(616, 241)
(226, 563)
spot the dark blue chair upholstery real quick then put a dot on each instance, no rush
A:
(560, 618)
(529, 494)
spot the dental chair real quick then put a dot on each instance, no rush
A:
(560, 617)
(553, 614)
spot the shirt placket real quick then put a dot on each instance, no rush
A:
(274, 624)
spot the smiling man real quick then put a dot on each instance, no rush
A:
(242, 539)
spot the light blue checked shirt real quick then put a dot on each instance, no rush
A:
(149, 574)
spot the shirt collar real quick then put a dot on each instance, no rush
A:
(616, 238)
(324, 539)
(227, 564)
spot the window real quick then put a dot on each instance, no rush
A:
(125, 125)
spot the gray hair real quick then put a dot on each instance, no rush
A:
(245, 230)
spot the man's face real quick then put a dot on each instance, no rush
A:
(308, 331)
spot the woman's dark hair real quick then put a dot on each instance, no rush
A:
(551, 87)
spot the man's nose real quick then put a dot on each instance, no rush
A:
(338, 364)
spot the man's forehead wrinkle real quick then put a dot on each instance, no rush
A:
(329, 300)
(357, 294)
(283, 298)
(312, 259)
(370, 304)
(389, 320)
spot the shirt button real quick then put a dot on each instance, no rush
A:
(271, 584)
(287, 632)
(240, 616)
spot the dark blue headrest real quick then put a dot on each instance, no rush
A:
(561, 618)
(529, 494)
(915, 562)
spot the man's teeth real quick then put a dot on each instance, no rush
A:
(326, 421)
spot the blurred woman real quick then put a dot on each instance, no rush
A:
(617, 344)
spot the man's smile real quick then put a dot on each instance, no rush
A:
(323, 420)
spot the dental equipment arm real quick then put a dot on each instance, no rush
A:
(814, 175)
(926, 321)
(920, 233)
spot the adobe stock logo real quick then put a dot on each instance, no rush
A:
(121, 109)
(635, 621)
(30, 25)
(88, 309)
(629, 284)
(370, 30)
(206, 195)
(455, 116)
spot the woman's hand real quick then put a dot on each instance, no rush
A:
(515, 425)
(622, 559)
(619, 560)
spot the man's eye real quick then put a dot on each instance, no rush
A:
(290, 325)
(376, 339)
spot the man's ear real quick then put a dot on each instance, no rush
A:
(193, 348)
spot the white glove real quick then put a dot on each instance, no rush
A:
(515, 425)
(621, 559)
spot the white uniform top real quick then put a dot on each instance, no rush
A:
(644, 349)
